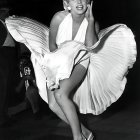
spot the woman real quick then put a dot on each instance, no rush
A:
(75, 63)
(81, 12)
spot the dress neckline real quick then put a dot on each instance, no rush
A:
(76, 35)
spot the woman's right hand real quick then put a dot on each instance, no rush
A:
(89, 13)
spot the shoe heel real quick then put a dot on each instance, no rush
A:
(90, 137)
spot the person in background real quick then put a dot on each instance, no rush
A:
(28, 81)
(7, 66)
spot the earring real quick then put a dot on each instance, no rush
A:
(69, 8)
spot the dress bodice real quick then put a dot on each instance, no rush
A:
(65, 30)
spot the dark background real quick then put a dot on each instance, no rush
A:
(106, 12)
(122, 119)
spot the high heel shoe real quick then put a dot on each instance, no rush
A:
(83, 137)
(90, 137)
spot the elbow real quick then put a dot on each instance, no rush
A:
(53, 47)
(91, 43)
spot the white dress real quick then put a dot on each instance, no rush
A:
(115, 52)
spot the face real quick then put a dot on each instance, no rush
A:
(78, 6)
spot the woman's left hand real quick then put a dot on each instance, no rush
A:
(89, 14)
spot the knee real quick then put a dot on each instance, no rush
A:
(60, 97)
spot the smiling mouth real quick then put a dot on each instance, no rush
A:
(80, 7)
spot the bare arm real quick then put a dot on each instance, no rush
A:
(97, 27)
(56, 20)
(91, 34)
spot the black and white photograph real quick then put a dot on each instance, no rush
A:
(69, 70)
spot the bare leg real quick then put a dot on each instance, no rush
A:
(66, 108)
(53, 105)
(58, 111)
